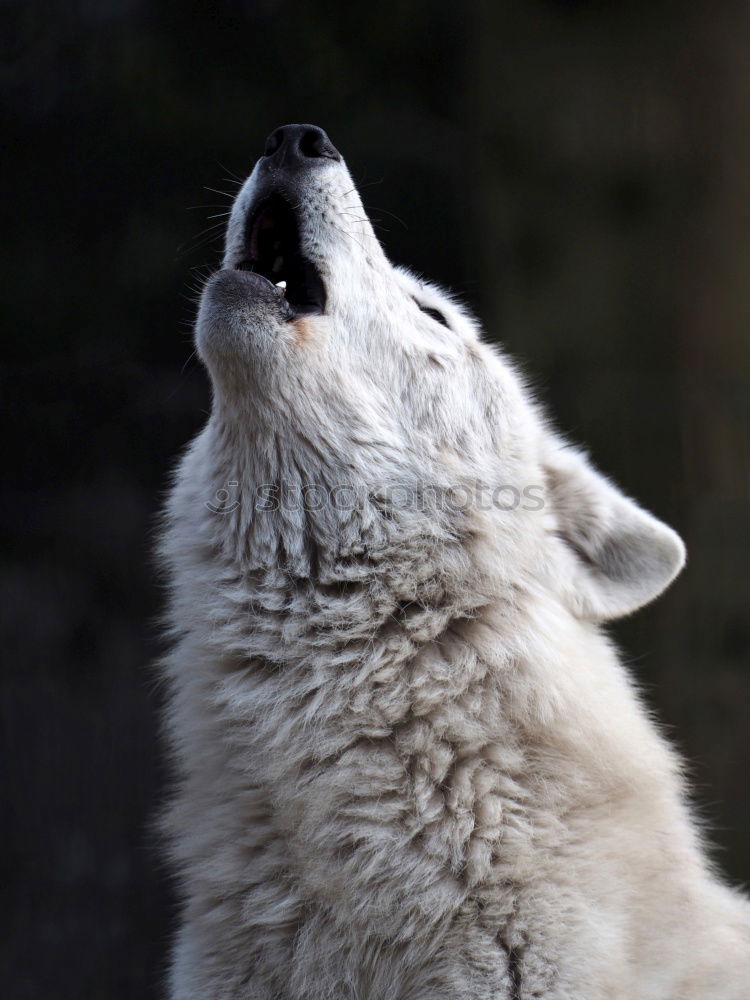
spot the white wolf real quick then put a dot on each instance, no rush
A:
(410, 764)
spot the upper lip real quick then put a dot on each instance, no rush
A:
(272, 249)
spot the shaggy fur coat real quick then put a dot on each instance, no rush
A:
(409, 764)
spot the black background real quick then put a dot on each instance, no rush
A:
(579, 173)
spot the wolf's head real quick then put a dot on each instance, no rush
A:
(344, 379)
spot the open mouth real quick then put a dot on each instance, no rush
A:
(272, 250)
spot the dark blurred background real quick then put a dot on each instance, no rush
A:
(578, 172)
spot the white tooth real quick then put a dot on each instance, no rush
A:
(281, 285)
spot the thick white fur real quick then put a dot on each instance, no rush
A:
(410, 764)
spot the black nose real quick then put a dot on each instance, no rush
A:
(299, 146)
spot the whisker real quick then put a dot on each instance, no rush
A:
(232, 174)
(375, 223)
(212, 228)
(193, 208)
(208, 235)
(364, 183)
(182, 372)
(201, 272)
(393, 215)
(187, 361)
(224, 194)
(345, 232)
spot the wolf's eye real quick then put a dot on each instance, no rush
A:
(434, 314)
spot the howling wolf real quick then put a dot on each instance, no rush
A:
(410, 765)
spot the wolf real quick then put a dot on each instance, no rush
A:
(409, 763)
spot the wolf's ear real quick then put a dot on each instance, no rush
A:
(616, 557)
